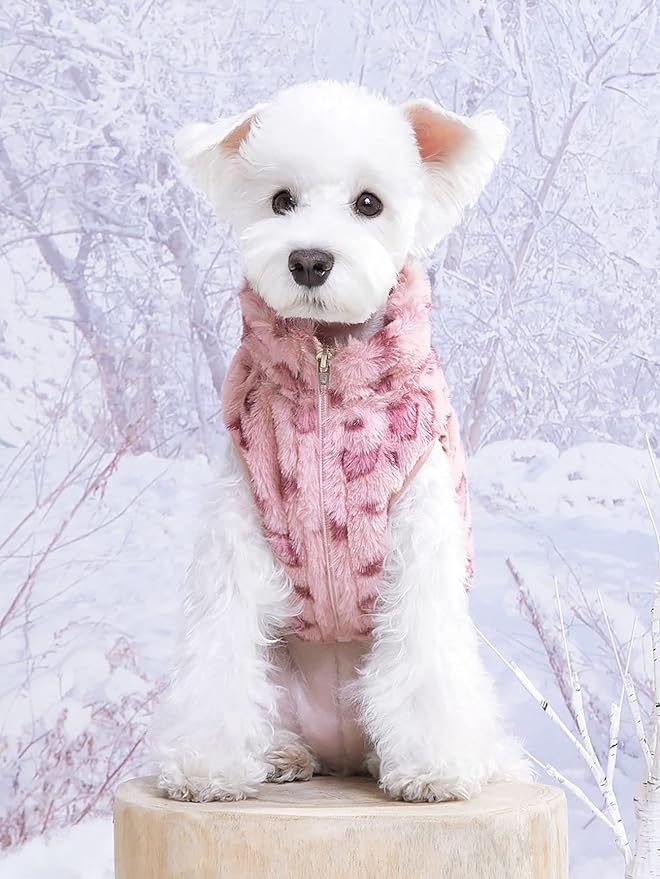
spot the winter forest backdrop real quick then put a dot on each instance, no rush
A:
(118, 318)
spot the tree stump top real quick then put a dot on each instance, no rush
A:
(341, 827)
(327, 796)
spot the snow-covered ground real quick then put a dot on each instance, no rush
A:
(99, 624)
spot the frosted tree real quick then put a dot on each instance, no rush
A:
(546, 316)
(557, 358)
(641, 858)
(94, 187)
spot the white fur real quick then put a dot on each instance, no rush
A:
(426, 703)
(327, 142)
(216, 724)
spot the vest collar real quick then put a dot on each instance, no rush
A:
(286, 348)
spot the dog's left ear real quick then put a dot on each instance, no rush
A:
(458, 155)
(208, 150)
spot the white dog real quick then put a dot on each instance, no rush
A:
(326, 627)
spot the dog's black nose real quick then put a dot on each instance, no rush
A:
(310, 268)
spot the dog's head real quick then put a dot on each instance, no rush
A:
(330, 188)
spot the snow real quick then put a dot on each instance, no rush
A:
(82, 852)
(585, 480)
(110, 628)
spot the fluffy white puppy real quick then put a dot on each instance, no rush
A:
(331, 190)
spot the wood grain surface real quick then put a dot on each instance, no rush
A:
(336, 828)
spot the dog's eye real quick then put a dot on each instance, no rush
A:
(283, 202)
(368, 204)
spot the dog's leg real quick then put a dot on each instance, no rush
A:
(216, 723)
(427, 702)
(289, 757)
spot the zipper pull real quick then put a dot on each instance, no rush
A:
(323, 364)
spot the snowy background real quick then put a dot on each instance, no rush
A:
(117, 320)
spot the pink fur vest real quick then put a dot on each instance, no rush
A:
(330, 438)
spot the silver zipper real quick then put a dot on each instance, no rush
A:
(323, 363)
(323, 366)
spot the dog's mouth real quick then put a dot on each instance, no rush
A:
(327, 329)
(335, 332)
(310, 298)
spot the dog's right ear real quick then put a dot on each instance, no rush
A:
(207, 150)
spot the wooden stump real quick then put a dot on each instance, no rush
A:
(334, 828)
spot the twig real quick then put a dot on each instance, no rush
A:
(633, 705)
(574, 789)
(586, 752)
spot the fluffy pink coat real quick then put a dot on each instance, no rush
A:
(328, 452)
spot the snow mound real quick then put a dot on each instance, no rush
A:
(600, 480)
(80, 852)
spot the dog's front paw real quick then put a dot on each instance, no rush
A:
(431, 787)
(289, 759)
(372, 764)
(229, 784)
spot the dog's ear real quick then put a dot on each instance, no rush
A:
(458, 156)
(206, 150)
